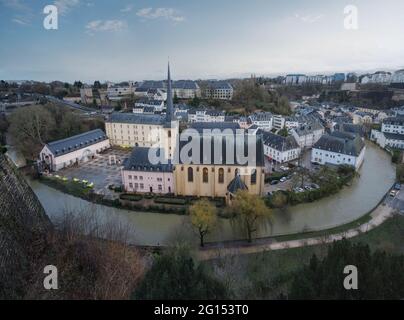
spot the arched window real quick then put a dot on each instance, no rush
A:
(190, 174)
(221, 175)
(205, 178)
(254, 177)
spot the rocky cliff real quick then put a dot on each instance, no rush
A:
(24, 227)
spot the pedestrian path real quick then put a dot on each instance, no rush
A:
(378, 216)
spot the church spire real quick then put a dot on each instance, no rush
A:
(170, 107)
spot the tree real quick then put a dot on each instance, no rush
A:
(175, 99)
(283, 132)
(203, 218)
(174, 276)
(380, 275)
(31, 128)
(249, 210)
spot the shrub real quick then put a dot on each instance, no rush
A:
(131, 197)
(175, 201)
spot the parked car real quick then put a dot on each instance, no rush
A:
(308, 188)
(397, 186)
(274, 182)
(393, 193)
(315, 186)
(284, 179)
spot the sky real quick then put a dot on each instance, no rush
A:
(124, 40)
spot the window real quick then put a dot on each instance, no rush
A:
(190, 174)
(205, 178)
(131, 185)
(160, 187)
(221, 175)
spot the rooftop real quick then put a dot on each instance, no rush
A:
(139, 161)
(135, 118)
(341, 142)
(80, 141)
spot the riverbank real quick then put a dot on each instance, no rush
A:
(381, 214)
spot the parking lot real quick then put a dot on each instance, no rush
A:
(396, 202)
(99, 170)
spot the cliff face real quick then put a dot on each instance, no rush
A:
(24, 227)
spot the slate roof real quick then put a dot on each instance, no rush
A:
(350, 128)
(139, 161)
(236, 145)
(393, 136)
(199, 126)
(341, 142)
(236, 184)
(397, 121)
(216, 85)
(308, 128)
(80, 141)
(261, 116)
(278, 142)
(135, 118)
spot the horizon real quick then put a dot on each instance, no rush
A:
(98, 40)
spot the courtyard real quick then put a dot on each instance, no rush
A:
(103, 170)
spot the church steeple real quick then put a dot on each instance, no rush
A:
(170, 106)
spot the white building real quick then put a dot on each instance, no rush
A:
(380, 77)
(117, 91)
(74, 150)
(280, 149)
(219, 90)
(203, 115)
(263, 120)
(157, 105)
(398, 76)
(392, 133)
(295, 79)
(339, 148)
(308, 134)
(278, 122)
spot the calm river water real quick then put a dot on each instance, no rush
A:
(377, 175)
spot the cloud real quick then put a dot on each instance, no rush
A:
(105, 25)
(15, 4)
(165, 13)
(128, 8)
(64, 6)
(21, 21)
(309, 18)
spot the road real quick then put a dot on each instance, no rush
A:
(72, 105)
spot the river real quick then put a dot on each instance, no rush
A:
(377, 175)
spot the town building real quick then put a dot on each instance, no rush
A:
(278, 122)
(295, 79)
(182, 89)
(280, 149)
(263, 120)
(203, 115)
(339, 148)
(391, 134)
(308, 134)
(81, 148)
(145, 130)
(219, 173)
(140, 175)
(156, 105)
(219, 90)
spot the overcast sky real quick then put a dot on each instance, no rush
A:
(132, 39)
